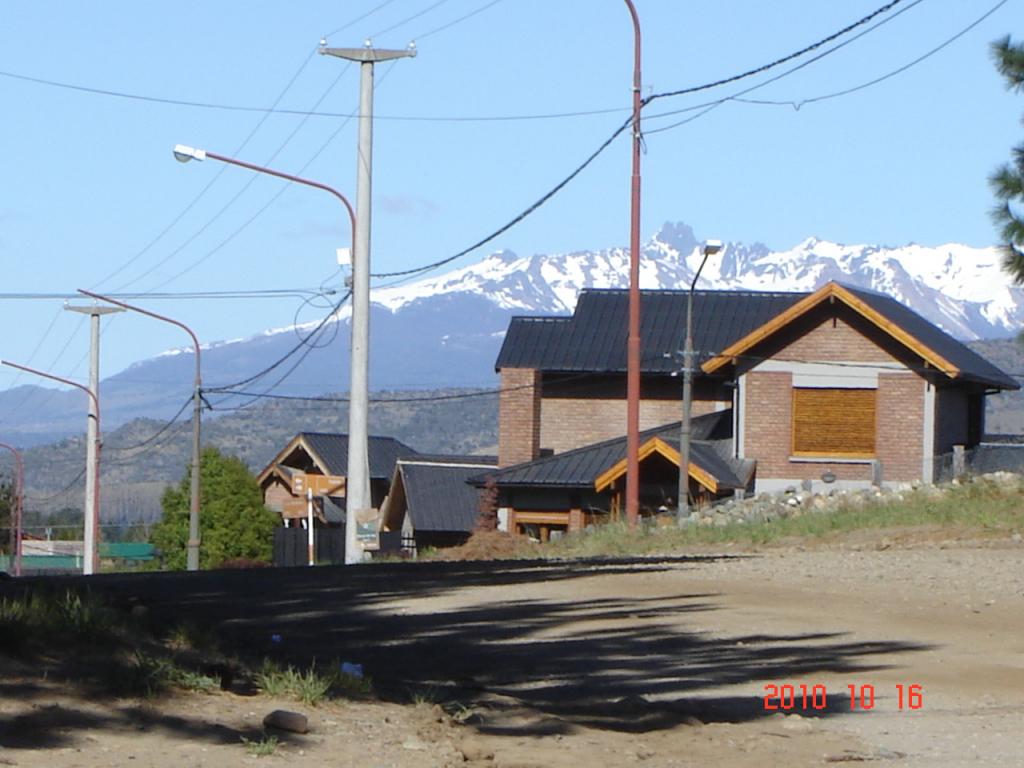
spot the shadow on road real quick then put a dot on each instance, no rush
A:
(531, 666)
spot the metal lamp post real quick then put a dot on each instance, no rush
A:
(710, 248)
(91, 533)
(358, 407)
(192, 553)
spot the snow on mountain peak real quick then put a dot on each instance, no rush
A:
(960, 288)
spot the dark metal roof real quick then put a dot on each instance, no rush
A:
(580, 467)
(593, 339)
(972, 366)
(437, 496)
(332, 450)
(334, 509)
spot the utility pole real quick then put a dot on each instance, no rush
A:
(192, 548)
(357, 482)
(633, 334)
(90, 563)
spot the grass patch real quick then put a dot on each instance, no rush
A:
(312, 685)
(189, 637)
(43, 618)
(979, 508)
(151, 675)
(263, 747)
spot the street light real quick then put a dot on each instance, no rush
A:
(357, 481)
(91, 532)
(16, 512)
(184, 154)
(192, 551)
(710, 248)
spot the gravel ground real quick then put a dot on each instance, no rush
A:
(660, 662)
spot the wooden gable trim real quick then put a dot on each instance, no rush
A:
(829, 291)
(655, 445)
(296, 442)
(272, 471)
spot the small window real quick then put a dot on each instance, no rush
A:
(834, 422)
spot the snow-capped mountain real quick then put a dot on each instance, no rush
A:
(961, 289)
(445, 330)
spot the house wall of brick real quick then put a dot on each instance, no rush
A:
(519, 416)
(568, 423)
(835, 335)
(900, 426)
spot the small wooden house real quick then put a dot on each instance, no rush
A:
(319, 461)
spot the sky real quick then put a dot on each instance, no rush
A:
(504, 99)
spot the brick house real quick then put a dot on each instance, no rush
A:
(840, 386)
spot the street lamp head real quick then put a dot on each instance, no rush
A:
(183, 153)
(711, 247)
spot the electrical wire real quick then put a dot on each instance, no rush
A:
(167, 425)
(280, 361)
(459, 20)
(621, 129)
(355, 21)
(250, 181)
(405, 21)
(814, 99)
(61, 492)
(778, 62)
(255, 293)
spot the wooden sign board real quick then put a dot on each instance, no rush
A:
(321, 485)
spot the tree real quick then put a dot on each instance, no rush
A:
(233, 521)
(1008, 180)
(487, 520)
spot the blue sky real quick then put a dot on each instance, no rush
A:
(91, 196)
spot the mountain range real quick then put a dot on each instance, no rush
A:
(445, 330)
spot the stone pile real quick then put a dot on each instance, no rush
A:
(766, 507)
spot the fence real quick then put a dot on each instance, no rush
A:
(985, 458)
(291, 546)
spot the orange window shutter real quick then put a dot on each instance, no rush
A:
(834, 422)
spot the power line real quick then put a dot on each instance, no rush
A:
(280, 361)
(244, 188)
(798, 104)
(405, 21)
(313, 113)
(355, 21)
(255, 293)
(778, 62)
(184, 211)
(459, 20)
(167, 425)
(622, 128)
(61, 492)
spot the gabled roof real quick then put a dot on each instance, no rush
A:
(593, 339)
(434, 493)
(725, 324)
(581, 467)
(936, 347)
(329, 451)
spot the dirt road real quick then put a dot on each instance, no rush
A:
(652, 663)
